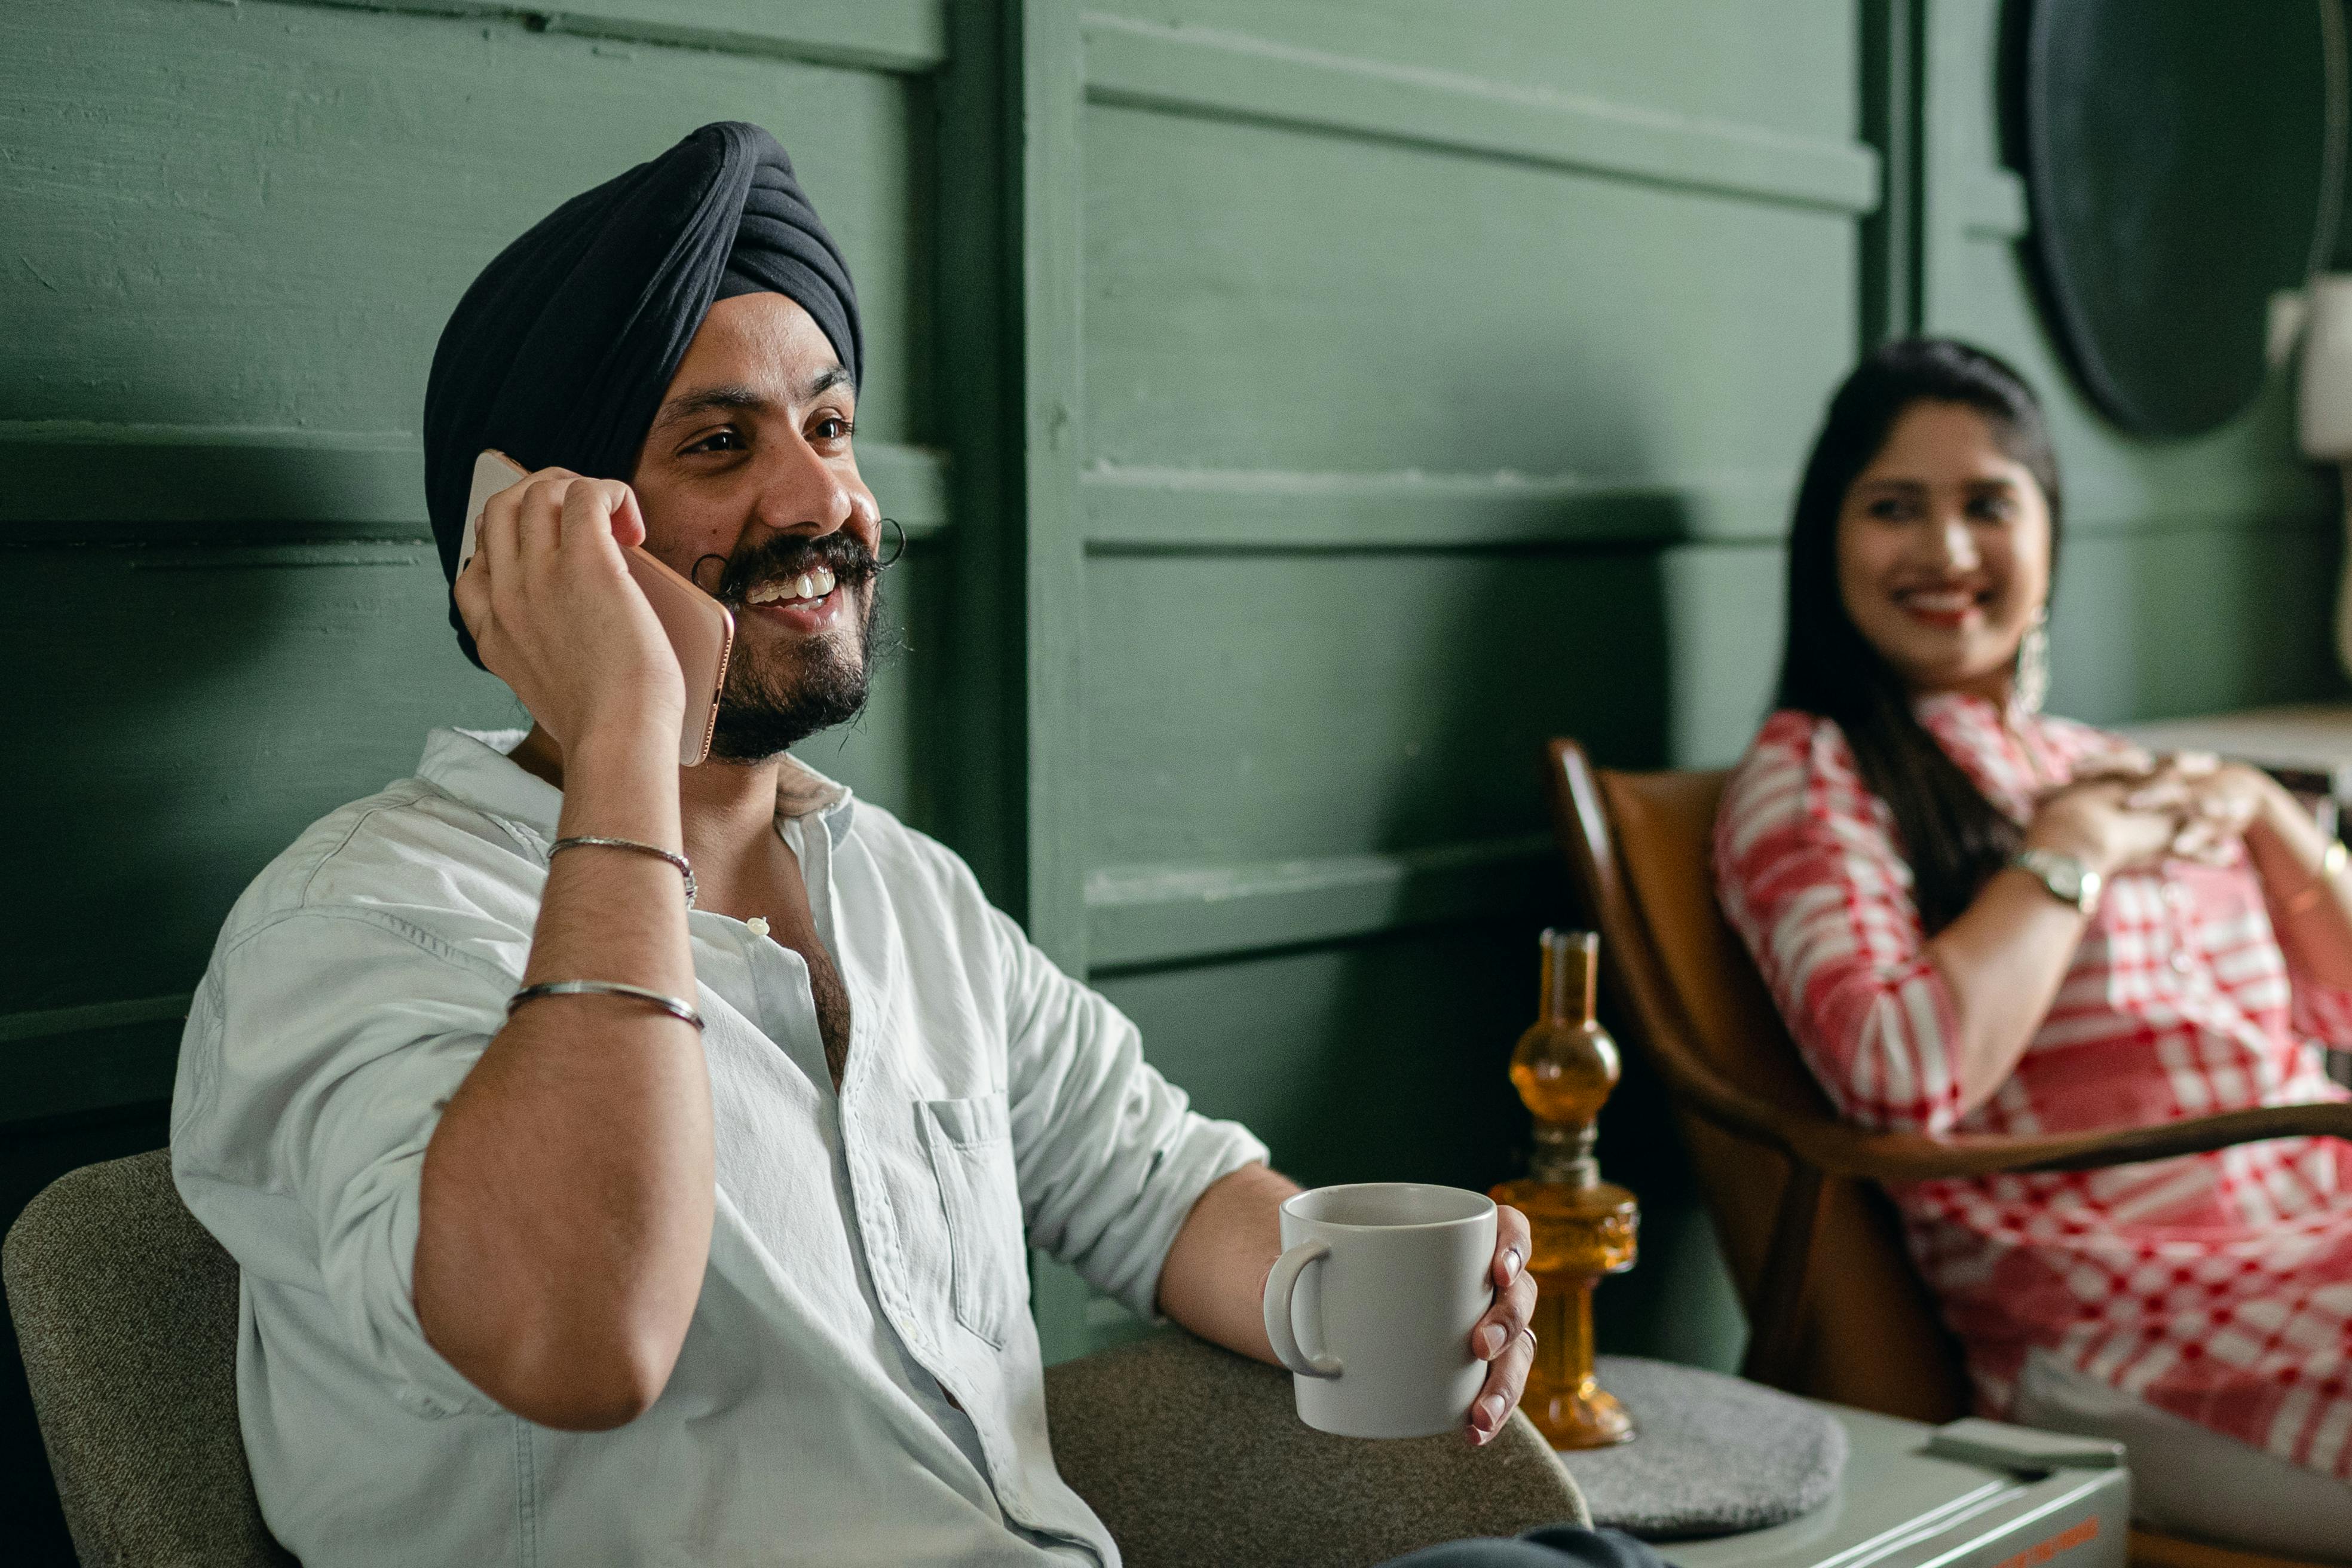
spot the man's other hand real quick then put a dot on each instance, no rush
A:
(1502, 1338)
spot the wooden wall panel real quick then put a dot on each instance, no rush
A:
(1769, 73)
(1260, 298)
(236, 232)
(1437, 386)
(261, 214)
(1266, 707)
(1345, 1057)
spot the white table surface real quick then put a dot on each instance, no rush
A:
(2310, 738)
(1900, 1507)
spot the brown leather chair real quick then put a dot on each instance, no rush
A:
(1836, 1309)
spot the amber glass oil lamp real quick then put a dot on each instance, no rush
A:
(1564, 1070)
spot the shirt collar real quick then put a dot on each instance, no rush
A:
(1966, 709)
(473, 766)
(1949, 705)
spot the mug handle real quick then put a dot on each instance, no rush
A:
(1281, 1287)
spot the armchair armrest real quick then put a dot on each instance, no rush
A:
(1911, 1157)
(1192, 1455)
(1838, 1148)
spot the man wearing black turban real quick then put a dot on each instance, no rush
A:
(635, 1164)
(559, 354)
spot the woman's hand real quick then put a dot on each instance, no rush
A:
(2219, 801)
(2110, 821)
(553, 609)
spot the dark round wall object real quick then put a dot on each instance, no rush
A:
(2178, 167)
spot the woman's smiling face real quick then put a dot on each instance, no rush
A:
(1943, 552)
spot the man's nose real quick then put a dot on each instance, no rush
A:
(799, 492)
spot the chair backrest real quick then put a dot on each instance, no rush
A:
(1640, 849)
(126, 1312)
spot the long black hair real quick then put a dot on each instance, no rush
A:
(1954, 838)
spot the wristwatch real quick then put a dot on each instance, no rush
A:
(2069, 880)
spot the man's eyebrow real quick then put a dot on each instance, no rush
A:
(705, 400)
(736, 398)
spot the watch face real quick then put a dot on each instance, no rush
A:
(2065, 875)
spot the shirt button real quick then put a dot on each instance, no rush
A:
(2181, 964)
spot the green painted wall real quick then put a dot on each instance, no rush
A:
(1302, 408)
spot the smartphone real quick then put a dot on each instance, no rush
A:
(701, 628)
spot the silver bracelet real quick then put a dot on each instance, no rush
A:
(672, 1005)
(590, 841)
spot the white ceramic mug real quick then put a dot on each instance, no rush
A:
(1387, 1278)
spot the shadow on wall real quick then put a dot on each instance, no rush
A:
(1596, 654)
(1406, 695)
(207, 653)
(197, 705)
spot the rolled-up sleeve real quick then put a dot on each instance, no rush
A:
(2320, 1012)
(316, 1064)
(1110, 1155)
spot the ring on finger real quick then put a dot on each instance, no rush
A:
(1530, 1335)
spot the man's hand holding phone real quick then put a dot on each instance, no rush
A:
(551, 606)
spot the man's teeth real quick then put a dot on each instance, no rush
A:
(813, 585)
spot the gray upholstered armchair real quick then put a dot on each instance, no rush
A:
(127, 1313)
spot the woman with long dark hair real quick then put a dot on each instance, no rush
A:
(1978, 918)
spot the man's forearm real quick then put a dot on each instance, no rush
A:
(566, 1201)
(1215, 1279)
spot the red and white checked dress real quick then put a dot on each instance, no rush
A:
(2217, 1286)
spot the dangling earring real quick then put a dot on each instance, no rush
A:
(2032, 683)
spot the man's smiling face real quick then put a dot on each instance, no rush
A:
(749, 487)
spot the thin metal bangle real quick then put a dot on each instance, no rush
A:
(591, 841)
(674, 1006)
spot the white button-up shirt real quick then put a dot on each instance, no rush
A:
(866, 1262)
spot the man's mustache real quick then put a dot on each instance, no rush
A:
(786, 556)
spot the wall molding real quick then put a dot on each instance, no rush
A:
(1230, 75)
(104, 1055)
(69, 483)
(2240, 498)
(904, 36)
(1154, 511)
(1149, 914)
(49, 1023)
(1992, 205)
(1149, 509)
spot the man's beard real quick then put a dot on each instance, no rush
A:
(766, 708)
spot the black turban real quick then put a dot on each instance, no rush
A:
(560, 352)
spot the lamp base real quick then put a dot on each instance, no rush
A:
(1587, 1416)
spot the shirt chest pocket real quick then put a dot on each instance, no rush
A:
(971, 1144)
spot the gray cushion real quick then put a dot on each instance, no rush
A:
(126, 1313)
(1711, 1455)
(1195, 1456)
